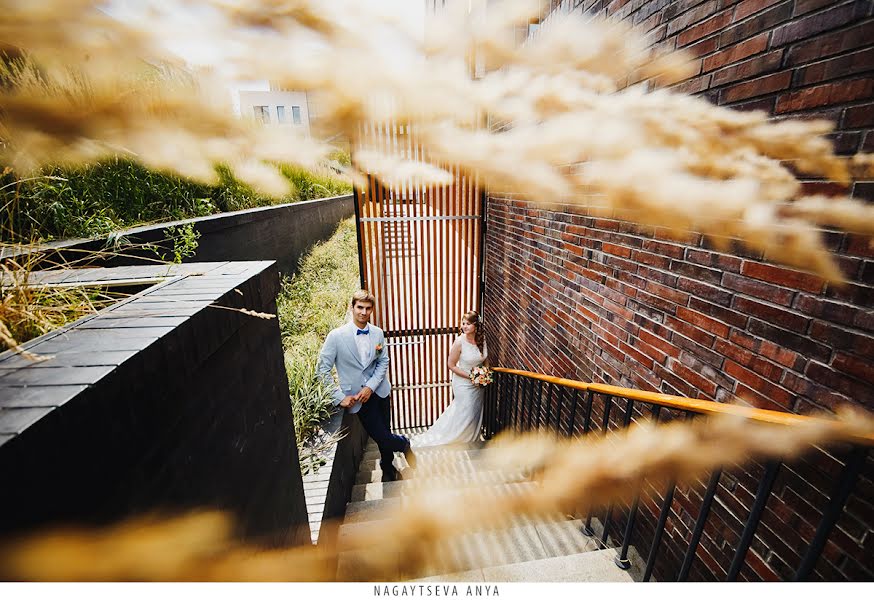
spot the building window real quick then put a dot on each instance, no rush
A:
(280, 115)
(262, 113)
(295, 114)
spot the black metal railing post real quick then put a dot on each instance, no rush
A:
(608, 403)
(762, 495)
(514, 416)
(833, 511)
(709, 494)
(575, 401)
(622, 560)
(560, 405)
(659, 531)
(539, 397)
(605, 427)
(548, 415)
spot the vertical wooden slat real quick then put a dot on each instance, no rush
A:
(425, 273)
(466, 244)
(421, 278)
(409, 296)
(380, 249)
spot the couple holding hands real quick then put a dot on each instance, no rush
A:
(357, 349)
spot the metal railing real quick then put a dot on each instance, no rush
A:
(523, 401)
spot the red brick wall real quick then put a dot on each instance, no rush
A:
(599, 299)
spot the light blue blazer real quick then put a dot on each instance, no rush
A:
(339, 350)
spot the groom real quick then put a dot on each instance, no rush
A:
(358, 351)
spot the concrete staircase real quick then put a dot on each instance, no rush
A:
(525, 550)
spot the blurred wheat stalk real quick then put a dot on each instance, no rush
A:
(577, 127)
(574, 475)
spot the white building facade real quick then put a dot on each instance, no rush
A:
(277, 108)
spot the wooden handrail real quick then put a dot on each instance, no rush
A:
(704, 407)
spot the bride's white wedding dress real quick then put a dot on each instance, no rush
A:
(461, 421)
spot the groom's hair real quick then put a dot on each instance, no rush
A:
(363, 296)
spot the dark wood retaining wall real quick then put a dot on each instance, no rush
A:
(282, 233)
(600, 299)
(162, 402)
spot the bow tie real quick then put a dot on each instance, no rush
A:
(363, 332)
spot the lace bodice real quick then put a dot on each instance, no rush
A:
(470, 355)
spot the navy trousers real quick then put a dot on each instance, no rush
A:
(374, 415)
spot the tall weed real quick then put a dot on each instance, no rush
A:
(309, 305)
(94, 200)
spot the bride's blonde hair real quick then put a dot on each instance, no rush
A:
(472, 317)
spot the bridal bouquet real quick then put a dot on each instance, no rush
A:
(481, 376)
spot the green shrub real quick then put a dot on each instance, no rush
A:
(309, 305)
(94, 200)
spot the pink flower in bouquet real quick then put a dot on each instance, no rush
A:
(481, 376)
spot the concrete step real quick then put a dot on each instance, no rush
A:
(371, 450)
(370, 510)
(436, 465)
(371, 458)
(585, 567)
(394, 489)
(524, 539)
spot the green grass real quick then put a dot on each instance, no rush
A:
(95, 200)
(310, 304)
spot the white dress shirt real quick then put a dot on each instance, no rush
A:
(363, 343)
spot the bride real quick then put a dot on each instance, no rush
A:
(461, 421)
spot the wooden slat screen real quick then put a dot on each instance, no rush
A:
(421, 257)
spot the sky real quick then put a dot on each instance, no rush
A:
(197, 54)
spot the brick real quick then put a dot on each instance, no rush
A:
(694, 85)
(844, 142)
(826, 95)
(801, 344)
(696, 272)
(830, 310)
(843, 338)
(757, 399)
(860, 245)
(754, 381)
(757, 87)
(689, 330)
(864, 191)
(818, 23)
(692, 16)
(782, 276)
(855, 366)
(749, 68)
(749, 7)
(704, 29)
(704, 322)
(725, 315)
(831, 44)
(693, 378)
(762, 21)
(806, 6)
(825, 188)
(677, 7)
(723, 262)
(777, 315)
(858, 391)
(858, 116)
(758, 289)
(660, 343)
(781, 355)
(736, 53)
(703, 290)
(762, 104)
(835, 68)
